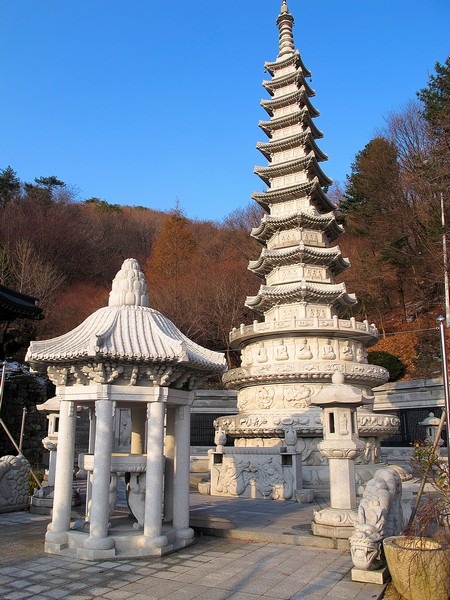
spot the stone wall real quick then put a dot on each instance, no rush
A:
(24, 390)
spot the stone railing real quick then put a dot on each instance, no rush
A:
(347, 327)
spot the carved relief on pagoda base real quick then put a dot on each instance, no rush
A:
(365, 375)
(277, 397)
(265, 424)
(302, 349)
(253, 474)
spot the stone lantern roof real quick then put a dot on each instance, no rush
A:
(126, 342)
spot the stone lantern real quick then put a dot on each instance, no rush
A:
(340, 445)
(431, 423)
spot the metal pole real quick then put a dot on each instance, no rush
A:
(2, 383)
(22, 428)
(441, 321)
(445, 264)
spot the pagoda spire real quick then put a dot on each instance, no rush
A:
(285, 23)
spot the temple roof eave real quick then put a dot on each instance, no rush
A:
(293, 59)
(298, 116)
(270, 259)
(270, 224)
(294, 97)
(305, 138)
(307, 163)
(310, 188)
(269, 296)
(288, 79)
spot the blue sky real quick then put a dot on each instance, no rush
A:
(150, 102)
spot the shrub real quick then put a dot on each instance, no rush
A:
(392, 363)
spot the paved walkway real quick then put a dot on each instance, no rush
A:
(281, 564)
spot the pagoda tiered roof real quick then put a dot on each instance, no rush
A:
(299, 116)
(311, 255)
(311, 189)
(293, 60)
(306, 163)
(284, 80)
(325, 222)
(299, 97)
(304, 138)
(305, 291)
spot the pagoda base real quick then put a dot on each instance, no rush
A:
(272, 473)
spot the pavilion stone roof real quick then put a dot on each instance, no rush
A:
(126, 331)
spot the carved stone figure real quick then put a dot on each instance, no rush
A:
(136, 497)
(264, 397)
(281, 352)
(328, 352)
(303, 351)
(380, 515)
(261, 353)
(347, 352)
(297, 396)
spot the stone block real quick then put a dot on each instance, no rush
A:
(378, 576)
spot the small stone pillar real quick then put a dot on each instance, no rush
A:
(138, 422)
(340, 445)
(56, 537)
(181, 474)
(153, 537)
(99, 545)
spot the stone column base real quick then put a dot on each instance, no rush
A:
(334, 522)
(54, 548)
(95, 554)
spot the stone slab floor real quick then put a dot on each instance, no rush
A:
(212, 569)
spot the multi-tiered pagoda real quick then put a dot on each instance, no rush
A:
(292, 354)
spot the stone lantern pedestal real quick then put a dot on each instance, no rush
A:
(340, 445)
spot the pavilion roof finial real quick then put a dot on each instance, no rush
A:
(129, 286)
(285, 23)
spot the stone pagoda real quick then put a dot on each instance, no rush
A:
(125, 355)
(290, 355)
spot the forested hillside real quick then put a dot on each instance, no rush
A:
(66, 251)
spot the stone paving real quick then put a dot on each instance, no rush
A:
(213, 569)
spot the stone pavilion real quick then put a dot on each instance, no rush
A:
(125, 355)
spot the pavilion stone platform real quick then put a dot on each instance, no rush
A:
(307, 332)
(125, 355)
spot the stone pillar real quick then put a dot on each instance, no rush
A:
(56, 537)
(91, 449)
(169, 463)
(181, 473)
(138, 423)
(100, 545)
(152, 537)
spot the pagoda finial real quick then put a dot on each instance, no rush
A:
(285, 22)
(129, 286)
